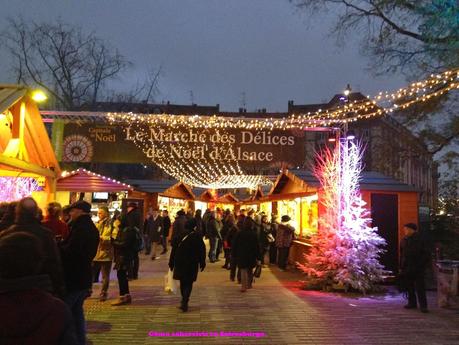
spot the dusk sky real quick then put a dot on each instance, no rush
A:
(218, 49)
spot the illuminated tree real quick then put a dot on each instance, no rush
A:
(346, 249)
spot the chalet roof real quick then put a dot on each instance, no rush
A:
(82, 180)
(370, 180)
(228, 198)
(179, 190)
(151, 186)
(24, 144)
(167, 188)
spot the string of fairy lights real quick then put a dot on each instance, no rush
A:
(205, 173)
(378, 105)
(214, 173)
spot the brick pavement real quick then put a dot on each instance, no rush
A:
(276, 306)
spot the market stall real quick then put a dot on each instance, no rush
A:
(206, 200)
(226, 202)
(390, 203)
(258, 202)
(28, 165)
(82, 184)
(175, 198)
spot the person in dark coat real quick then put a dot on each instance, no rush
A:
(30, 314)
(228, 232)
(165, 228)
(8, 216)
(199, 223)
(263, 237)
(246, 250)
(178, 228)
(78, 252)
(153, 229)
(214, 227)
(133, 218)
(187, 256)
(124, 245)
(26, 220)
(414, 260)
(284, 240)
(272, 245)
(205, 220)
(240, 218)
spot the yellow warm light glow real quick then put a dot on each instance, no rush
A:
(39, 96)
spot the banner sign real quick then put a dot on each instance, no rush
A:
(143, 143)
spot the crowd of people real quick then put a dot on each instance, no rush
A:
(49, 263)
(72, 252)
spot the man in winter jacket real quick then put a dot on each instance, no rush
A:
(214, 227)
(78, 251)
(30, 315)
(153, 229)
(165, 227)
(414, 260)
(26, 220)
(133, 219)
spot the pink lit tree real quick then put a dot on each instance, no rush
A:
(346, 249)
(16, 188)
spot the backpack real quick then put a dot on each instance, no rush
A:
(139, 241)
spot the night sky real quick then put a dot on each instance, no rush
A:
(218, 49)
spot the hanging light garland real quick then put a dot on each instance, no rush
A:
(212, 173)
(200, 172)
(378, 105)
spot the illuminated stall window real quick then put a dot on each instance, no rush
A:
(266, 207)
(172, 205)
(303, 213)
(309, 215)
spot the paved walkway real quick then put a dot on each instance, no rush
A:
(275, 307)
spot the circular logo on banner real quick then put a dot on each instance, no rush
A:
(77, 148)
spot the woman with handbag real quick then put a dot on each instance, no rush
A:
(188, 254)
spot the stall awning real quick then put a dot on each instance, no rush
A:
(82, 180)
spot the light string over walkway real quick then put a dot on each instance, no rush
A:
(214, 173)
(384, 102)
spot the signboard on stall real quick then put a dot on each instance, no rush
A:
(141, 143)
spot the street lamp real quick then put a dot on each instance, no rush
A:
(347, 90)
(39, 96)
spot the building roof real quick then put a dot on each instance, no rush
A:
(334, 102)
(82, 180)
(149, 108)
